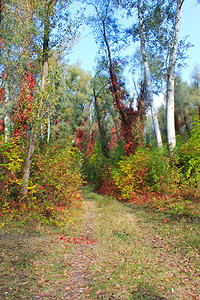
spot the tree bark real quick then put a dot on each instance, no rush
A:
(170, 115)
(27, 163)
(148, 79)
(49, 129)
(104, 145)
(6, 117)
(31, 146)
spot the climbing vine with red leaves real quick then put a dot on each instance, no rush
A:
(114, 138)
(24, 105)
(85, 139)
(131, 120)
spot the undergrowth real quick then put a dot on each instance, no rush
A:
(54, 187)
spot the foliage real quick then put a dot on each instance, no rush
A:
(22, 114)
(102, 122)
(151, 177)
(54, 185)
(190, 156)
(163, 173)
(11, 159)
(150, 170)
(130, 176)
(95, 166)
(57, 176)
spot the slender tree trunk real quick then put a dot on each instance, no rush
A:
(6, 117)
(33, 135)
(49, 130)
(104, 145)
(116, 92)
(27, 163)
(171, 135)
(148, 79)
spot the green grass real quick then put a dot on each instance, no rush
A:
(143, 254)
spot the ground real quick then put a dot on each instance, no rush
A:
(111, 251)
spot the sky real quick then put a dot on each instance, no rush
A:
(86, 49)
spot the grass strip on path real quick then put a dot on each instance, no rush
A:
(143, 254)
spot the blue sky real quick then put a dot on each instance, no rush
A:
(86, 49)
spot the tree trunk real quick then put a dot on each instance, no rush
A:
(31, 146)
(148, 79)
(171, 135)
(104, 145)
(49, 129)
(6, 117)
(27, 164)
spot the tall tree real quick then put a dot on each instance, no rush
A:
(109, 38)
(159, 26)
(48, 8)
(57, 29)
(148, 75)
(171, 135)
(103, 110)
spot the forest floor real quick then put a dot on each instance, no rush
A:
(110, 250)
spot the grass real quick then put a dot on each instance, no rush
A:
(143, 254)
(137, 254)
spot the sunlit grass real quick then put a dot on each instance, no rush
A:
(143, 255)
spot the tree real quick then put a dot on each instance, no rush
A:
(196, 77)
(74, 101)
(103, 110)
(109, 34)
(19, 35)
(48, 9)
(171, 135)
(148, 75)
(159, 26)
(52, 13)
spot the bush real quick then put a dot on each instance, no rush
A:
(56, 176)
(53, 192)
(190, 156)
(10, 163)
(150, 170)
(130, 176)
(95, 166)
(163, 176)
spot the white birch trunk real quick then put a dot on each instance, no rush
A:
(6, 128)
(6, 118)
(49, 129)
(171, 135)
(148, 79)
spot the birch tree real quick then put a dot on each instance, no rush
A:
(148, 76)
(171, 136)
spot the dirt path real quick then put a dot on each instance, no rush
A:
(81, 261)
(47, 265)
(117, 252)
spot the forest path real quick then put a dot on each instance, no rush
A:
(82, 258)
(111, 251)
(142, 254)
